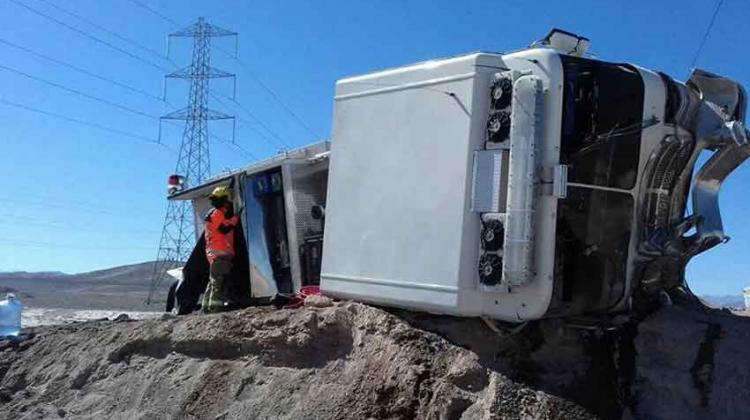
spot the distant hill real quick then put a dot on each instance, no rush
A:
(124, 287)
(724, 301)
(26, 274)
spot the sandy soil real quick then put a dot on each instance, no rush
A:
(353, 361)
(35, 317)
(348, 361)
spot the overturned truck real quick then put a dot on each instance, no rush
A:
(540, 183)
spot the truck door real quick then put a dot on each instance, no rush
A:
(600, 143)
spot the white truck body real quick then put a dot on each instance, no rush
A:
(584, 171)
(518, 186)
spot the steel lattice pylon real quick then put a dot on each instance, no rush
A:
(193, 162)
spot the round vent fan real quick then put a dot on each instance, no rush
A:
(502, 91)
(492, 235)
(490, 269)
(498, 126)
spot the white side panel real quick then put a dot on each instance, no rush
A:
(400, 230)
(400, 160)
(290, 209)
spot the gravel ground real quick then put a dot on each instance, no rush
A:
(346, 361)
(35, 317)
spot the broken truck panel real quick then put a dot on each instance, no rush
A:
(279, 244)
(705, 114)
(525, 185)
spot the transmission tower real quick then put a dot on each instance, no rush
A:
(193, 162)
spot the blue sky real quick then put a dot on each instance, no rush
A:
(75, 198)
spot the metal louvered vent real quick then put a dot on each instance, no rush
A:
(309, 190)
(665, 166)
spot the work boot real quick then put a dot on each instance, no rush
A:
(214, 306)
(204, 300)
(213, 298)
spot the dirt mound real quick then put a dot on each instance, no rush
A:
(347, 361)
(351, 360)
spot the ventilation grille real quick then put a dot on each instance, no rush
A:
(666, 164)
(309, 190)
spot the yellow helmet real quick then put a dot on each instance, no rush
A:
(221, 192)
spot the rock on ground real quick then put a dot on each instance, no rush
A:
(345, 361)
(692, 364)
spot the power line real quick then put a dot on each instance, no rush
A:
(40, 244)
(262, 124)
(13, 199)
(282, 144)
(273, 94)
(80, 70)
(103, 29)
(155, 12)
(236, 146)
(76, 91)
(108, 102)
(242, 150)
(140, 4)
(85, 123)
(86, 34)
(66, 203)
(275, 146)
(252, 74)
(33, 222)
(706, 34)
(80, 31)
(112, 33)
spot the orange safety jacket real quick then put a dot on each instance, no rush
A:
(219, 234)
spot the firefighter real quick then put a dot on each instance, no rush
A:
(220, 224)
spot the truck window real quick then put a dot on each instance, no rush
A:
(593, 238)
(602, 122)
